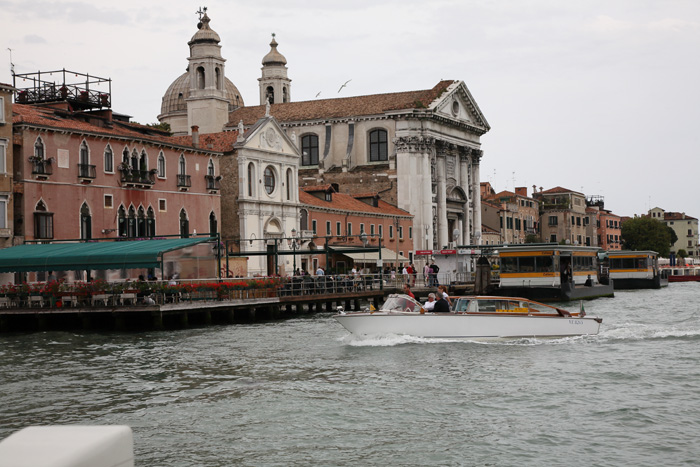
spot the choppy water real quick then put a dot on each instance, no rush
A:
(303, 392)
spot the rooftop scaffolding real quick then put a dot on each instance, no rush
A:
(81, 90)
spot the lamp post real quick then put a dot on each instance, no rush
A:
(293, 244)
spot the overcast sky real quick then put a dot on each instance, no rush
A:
(601, 96)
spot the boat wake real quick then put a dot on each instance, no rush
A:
(636, 331)
(391, 340)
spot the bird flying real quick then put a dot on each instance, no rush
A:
(343, 85)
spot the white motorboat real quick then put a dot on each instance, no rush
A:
(477, 317)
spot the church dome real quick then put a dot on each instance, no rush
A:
(274, 57)
(174, 99)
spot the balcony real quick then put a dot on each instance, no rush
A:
(41, 168)
(184, 182)
(137, 178)
(213, 183)
(86, 172)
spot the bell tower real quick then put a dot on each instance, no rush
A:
(275, 86)
(207, 106)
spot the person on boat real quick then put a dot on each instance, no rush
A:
(589, 282)
(441, 305)
(430, 304)
(442, 292)
(407, 291)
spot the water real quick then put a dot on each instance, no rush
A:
(303, 392)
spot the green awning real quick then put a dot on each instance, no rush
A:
(93, 255)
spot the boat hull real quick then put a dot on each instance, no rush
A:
(458, 325)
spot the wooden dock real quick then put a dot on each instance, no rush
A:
(182, 314)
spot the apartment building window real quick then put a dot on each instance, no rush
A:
(381, 230)
(162, 206)
(338, 229)
(371, 229)
(3, 155)
(553, 238)
(391, 231)
(573, 220)
(329, 230)
(108, 202)
(362, 228)
(578, 221)
(553, 220)
(349, 228)
(410, 232)
(588, 241)
(109, 159)
(2, 110)
(43, 221)
(578, 239)
(509, 223)
(309, 150)
(161, 165)
(378, 147)
(401, 232)
(3, 212)
(313, 226)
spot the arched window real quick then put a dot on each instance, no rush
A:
(184, 224)
(251, 179)
(131, 223)
(43, 221)
(378, 147)
(161, 165)
(109, 159)
(121, 223)
(285, 97)
(200, 77)
(135, 159)
(182, 166)
(270, 95)
(270, 181)
(150, 223)
(309, 150)
(210, 168)
(304, 220)
(290, 185)
(141, 222)
(39, 149)
(84, 153)
(218, 78)
(212, 224)
(143, 161)
(125, 156)
(85, 222)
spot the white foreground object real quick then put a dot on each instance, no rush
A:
(68, 446)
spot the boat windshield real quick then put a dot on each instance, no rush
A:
(400, 303)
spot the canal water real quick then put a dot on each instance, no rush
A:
(303, 392)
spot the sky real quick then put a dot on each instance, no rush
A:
(600, 97)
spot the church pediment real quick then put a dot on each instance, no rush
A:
(267, 135)
(458, 104)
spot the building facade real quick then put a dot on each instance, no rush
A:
(518, 215)
(563, 217)
(6, 167)
(685, 227)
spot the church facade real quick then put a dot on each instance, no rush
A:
(420, 150)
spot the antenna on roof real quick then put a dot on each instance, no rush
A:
(12, 65)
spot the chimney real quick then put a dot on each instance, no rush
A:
(195, 136)
(521, 191)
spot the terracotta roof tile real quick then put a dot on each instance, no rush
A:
(345, 202)
(375, 104)
(65, 120)
(558, 189)
(678, 216)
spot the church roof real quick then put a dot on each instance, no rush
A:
(374, 104)
(205, 33)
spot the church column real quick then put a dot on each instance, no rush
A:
(442, 201)
(464, 183)
(476, 193)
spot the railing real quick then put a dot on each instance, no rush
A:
(184, 181)
(212, 182)
(42, 167)
(86, 171)
(138, 177)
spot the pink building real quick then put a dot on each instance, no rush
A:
(87, 174)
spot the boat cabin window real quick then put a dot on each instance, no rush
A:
(583, 263)
(499, 306)
(400, 304)
(628, 263)
(527, 264)
(461, 305)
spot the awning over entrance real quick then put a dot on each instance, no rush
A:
(388, 256)
(94, 255)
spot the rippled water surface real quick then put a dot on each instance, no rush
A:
(303, 392)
